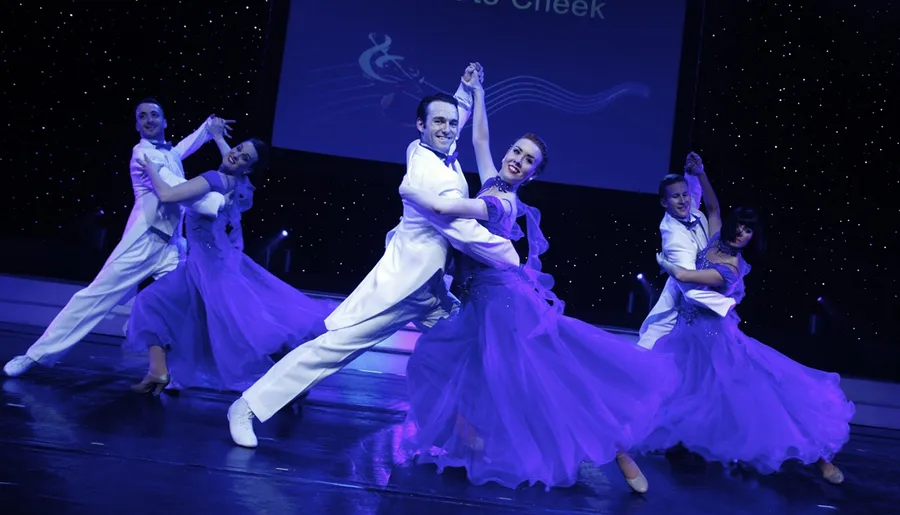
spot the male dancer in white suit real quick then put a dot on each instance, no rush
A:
(151, 246)
(405, 286)
(685, 233)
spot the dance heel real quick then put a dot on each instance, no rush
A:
(834, 476)
(152, 383)
(638, 484)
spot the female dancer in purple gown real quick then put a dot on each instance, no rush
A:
(217, 318)
(510, 388)
(741, 400)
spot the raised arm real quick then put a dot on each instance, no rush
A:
(481, 140)
(463, 98)
(694, 187)
(222, 145)
(465, 235)
(695, 175)
(195, 140)
(220, 129)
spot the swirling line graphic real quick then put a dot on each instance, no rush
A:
(379, 77)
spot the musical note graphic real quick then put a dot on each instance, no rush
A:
(370, 59)
(387, 79)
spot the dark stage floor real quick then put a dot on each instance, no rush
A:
(75, 440)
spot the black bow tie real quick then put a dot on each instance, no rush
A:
(162, 145)
(690, 225)
(447, 159)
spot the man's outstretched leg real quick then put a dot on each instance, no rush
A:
(147, 256)
(310, 363)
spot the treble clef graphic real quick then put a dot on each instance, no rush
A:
(378, 54)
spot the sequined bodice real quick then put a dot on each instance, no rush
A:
(733, 286)
(209, 238)
(734, 282)
(478, 281)
(206, 235)
(500, 223)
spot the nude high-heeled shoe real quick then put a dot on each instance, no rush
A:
(639, 484)
(834, 476)
(152, 383)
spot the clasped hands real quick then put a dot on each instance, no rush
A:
(473, 77)
(219, 127)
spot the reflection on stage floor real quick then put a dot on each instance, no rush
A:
(75, 439)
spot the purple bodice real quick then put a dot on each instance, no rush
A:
(734, 280)
(207, 236)
(500, 223)
(469, 273)
(732, 288)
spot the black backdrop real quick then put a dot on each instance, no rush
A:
(791, 111)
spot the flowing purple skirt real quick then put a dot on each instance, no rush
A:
(220, 321)
(516, 392)
(742, 400)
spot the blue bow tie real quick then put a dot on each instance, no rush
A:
(690, 225)
(162, 145)
(447, 159)
(450, 159)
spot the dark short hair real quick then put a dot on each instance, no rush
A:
(668, 180)
(422, 110)
(262, 155)
(150, 100)
(743, 216)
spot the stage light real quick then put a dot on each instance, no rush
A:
(284, 233)
(819, 299)
(640, 277)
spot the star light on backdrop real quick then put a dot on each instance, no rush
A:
(792, 117)
(794, 107)
(73, 75)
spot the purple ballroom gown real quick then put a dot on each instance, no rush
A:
(741, 400)
(514, 391)
(220, 315)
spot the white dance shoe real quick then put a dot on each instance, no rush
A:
(639, 484)
(240, 423)
(18, 366)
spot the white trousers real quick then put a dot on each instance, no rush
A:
(310, 363)
(148, 256)
(662, 317)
